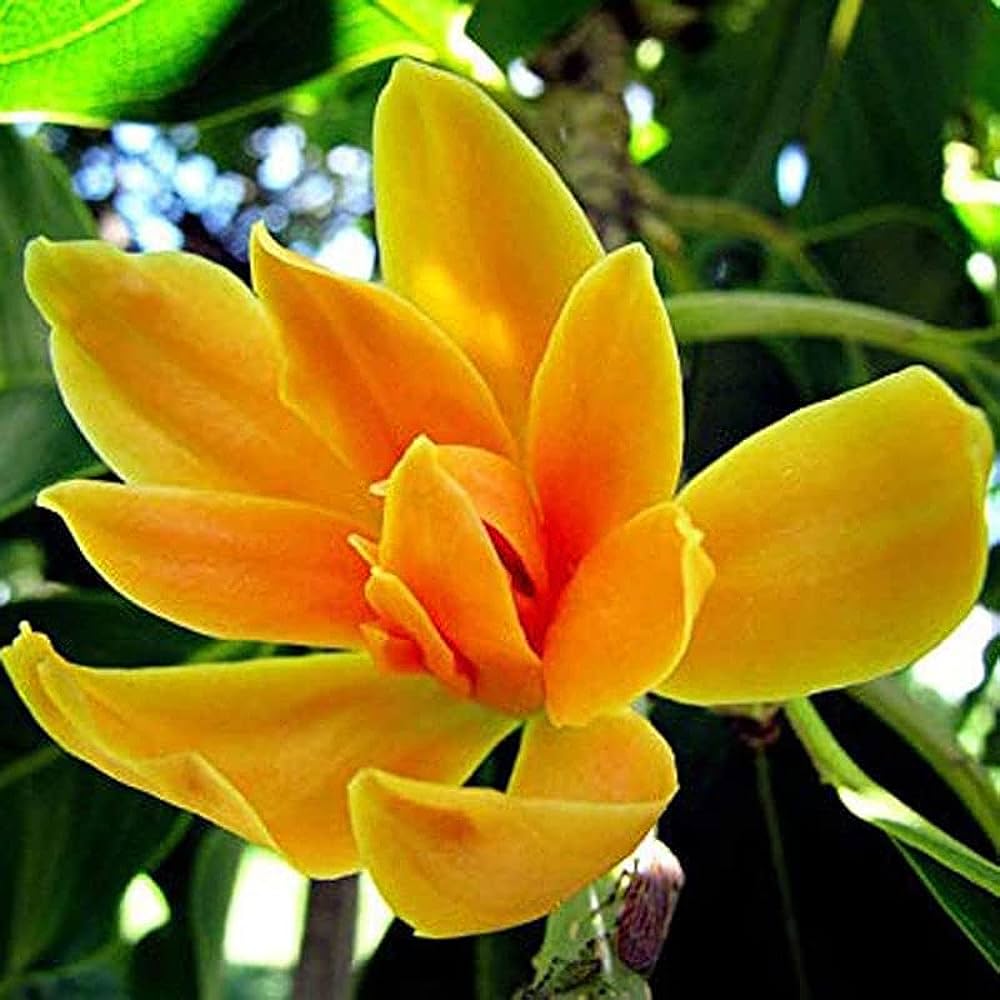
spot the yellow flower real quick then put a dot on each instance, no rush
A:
(513, 395)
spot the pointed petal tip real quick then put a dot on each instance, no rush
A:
(26, 648)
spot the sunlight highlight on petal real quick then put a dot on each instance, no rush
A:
(365, 368)
(467, 210)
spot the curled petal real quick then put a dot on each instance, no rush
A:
(624, 620)
(847, 540)
(433, 540)
(500, 495)
(469, 860)
(170, 367)
(265, 748)
(605, 426)
(402, 615)
(365, 368)
(474, 225)
(230, 565)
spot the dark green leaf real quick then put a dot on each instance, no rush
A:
(856, 912)
(38, 442)
(185, 957)
(974, 910)
(901, 113)
(507, 29)
(70, 842)
(35, 199)
(174, 61)
(989, 596)
(93, 628)
(105, 630)
(733, 103)
(39, 445)
(212, 883)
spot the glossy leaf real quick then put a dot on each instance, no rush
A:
(68, 834)
(168, 61)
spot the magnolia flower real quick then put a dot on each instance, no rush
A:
(466, 475)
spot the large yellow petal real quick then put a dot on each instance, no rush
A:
(433, 540)
(367, 369)
(605, 426)
(465, 861)
(170, 367)
(264, 748)
(226, 564)
(625, 618)
(847, 540)
(474, 225)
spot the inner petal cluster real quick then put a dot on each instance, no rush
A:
(459, 578)
(466, 584)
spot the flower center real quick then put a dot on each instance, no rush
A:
(459, 581)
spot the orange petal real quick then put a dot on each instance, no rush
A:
(500, 495)
(847, 540)
(605, 427)
(170, 367)
(615, 758)
(367, 369)
(475, 227)
(469, 860)
(433, 539)
(398, 609)
(264, 748)
(625, 618)
(229, 565)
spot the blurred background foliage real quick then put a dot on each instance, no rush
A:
(819, 181)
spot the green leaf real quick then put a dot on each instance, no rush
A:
(212, 884)
(70, 842)
(35, 198)
(185, 958)
(872, 803)
(39, 445)
(989, 596)
(851, 912)
(507, 29)
(101, 629)
(932, 736)
(974, 911)
(173, 61)
(732, 104)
